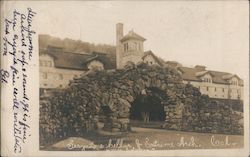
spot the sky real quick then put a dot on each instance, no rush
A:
(210, 33)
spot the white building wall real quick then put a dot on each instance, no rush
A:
(51, 77)
(131, 58)
(149, 59)
(56, 78)
(215, 90)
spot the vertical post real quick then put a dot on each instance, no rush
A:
(119, 50)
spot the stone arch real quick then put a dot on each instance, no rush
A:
(78, 108)
(132, 81)
(83, 103)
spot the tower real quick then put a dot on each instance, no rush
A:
(129, 48)
(119, 49)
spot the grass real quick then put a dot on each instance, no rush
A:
(148, 139)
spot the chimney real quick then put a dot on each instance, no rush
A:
(119, 50)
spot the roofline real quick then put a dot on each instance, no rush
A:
(205, 72)
(155, 57)
(78, 69)
(123, 40)
(201, 81)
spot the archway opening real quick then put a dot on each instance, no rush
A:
(148, 109)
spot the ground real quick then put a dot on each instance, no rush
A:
(149, 139)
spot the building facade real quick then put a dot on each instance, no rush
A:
(57, 67)
(215, 84)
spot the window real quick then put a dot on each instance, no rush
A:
(60, 76)
(238, 91)
(215, 89)
(207, 88)
(45, 84)
(234, 83)
(135, 46)
(223, 90)
(126, 47)
(207, 80)
(49, 63)
(45, 63)
(151, 62)
(44, 75)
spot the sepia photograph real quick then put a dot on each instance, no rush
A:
(128, 95)
(125, 78)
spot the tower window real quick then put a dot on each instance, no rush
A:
(126, 47)
(135, 46)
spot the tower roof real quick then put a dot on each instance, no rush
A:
(132, 35)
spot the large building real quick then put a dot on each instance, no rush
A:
(57, 67)
(215, 84)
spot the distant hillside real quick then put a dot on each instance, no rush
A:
(76, 46)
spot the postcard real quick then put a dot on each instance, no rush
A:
(124, 78)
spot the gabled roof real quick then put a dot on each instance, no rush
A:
(229, 76)
(158, 60)
(202, 73)
(132, 35)
(190, 74)
(76, 61)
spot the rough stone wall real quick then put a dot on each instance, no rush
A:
(77, 109)
(80, 105)
(207, 116)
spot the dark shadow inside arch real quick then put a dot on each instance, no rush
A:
(148, 106)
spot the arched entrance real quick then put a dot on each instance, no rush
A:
(148, 107)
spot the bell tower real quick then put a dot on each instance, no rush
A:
(129, 48)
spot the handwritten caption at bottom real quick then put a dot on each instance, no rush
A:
(153, 144)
